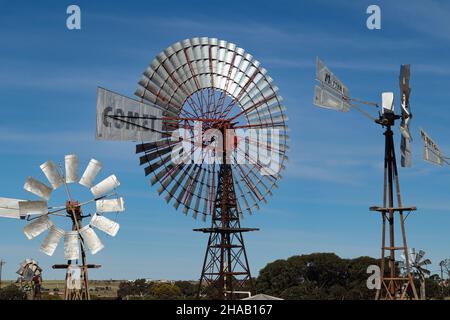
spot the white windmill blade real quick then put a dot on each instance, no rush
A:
(36, 227)
(91, 240)
(51, 172)
(387, 101)
(104, 224)
(71, 247)
(110, 205)
(50, 242)
(38, 188)
(27, 208)
(71, 165)
(88, 177)
(105, 186)
(9, 208)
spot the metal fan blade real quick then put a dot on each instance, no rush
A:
(206, 195)
(199, 194)
(91, 240)
(104, 224)
(38, 188)
(71, 247)
(177, 184)
(36, 227)
(192, 191)
(88, 177)
(32, 208)
(9, 208)
(419, 256)
(50, 242)
(51, 172)
(105, 186)
(424, 262)
(183, 190)
(71, 164)
(426, 271)
(110, 205)
(168, 178)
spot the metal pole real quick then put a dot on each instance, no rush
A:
(2, 262)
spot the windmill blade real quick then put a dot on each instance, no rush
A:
(36, 227)
(52, 174)
(405, 90)
(105, 186)
(71, 164)
(425, 271)
(88, 177)
(424, 262)
(51, 242)
(419, 256)
(38, 188)
(9, 208)
(199, 194)
(110, 205)
(104, 224)
(71, 246)
(91, 240)
(27, 208)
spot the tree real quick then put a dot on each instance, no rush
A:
(165, 291)
(188, 289)
(12, 292)
(130, 289)
(317, 276)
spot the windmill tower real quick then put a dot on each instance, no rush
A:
(331, 93)
(196, 99)
(80, 238)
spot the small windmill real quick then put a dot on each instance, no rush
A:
(29, 269)
(194, 99)
(80, 238)
(331, 93)
(418, 266)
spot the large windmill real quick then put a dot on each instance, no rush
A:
(331, 93)
(80, 238)
(206, 109)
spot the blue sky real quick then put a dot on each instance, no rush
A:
(48, 80)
